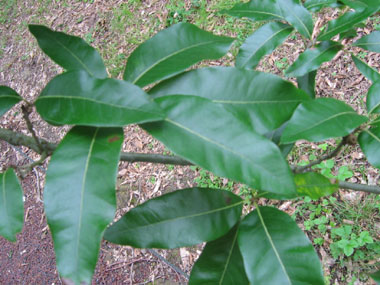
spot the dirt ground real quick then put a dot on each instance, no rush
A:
(24, 68)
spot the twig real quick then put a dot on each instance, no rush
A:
(359, 187)
(26, 112)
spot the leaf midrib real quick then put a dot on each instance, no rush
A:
(300, 21)
(151, 67)
(229, 257)
(373, 135)
(256, 102)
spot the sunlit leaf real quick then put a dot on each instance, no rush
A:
(171, 51)
(79, 197)
(220, 262)
(321, 119)
(276, 251)
(70, 52)
(78, 98)
(192, 130)
(11, 205)
(181, 218)
(314, 185)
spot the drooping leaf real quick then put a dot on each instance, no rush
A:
(348, 20)
(172, 51)
(366, 70)
(369, 141)
(275, 136)
(373, 98)
(220, 262)
(78, 98)
(256, 10)
(192, 130)
(263, 41)
(307, 83)
(376, 276)
(314, 185)
(297, 15)
(316, 5)
(79, 197)
(11, 205)
(263, 100)
(8, 98)
(312, 59)
(370, 42)
(321, 119)
(181, 218)
(276, 251)
(70, 52)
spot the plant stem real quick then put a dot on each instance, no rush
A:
(359, 187)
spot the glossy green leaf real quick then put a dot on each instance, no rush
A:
(354, 4)
(376, 276)
(263, 41)
(172, 51)
(370, 42)
(312, 59)
(181, 218)
(307, 83)
(348, 20)
(263, 100)
(78, 98)
(314, 185)
(275, 136)
(220, 262)
(79, 197)
(373, 98)
(297, 15)
(316, 5)
(276, 251)
(369, 141)
(70, 52)
(366, 70)
(321, 119)
(192, 130)
(8, 98)
(11, 205)
(263, 10)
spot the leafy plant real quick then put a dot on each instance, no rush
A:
(235, 122)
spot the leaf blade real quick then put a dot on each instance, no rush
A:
(74, 193)
(321, 119)
(70, 52)
(181, 46)
(369, 141)
(368, 71)
(8, 98)
(263, 41)
(196, 122)
(11, 205)
(314, 185)
(307, 83)
(370, 42)
(78, 98)
(181, 218)
(283, 247)
(373, 98)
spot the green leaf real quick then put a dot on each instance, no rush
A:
(220, 262)
(312, 59)
(354, 4)
(348, 20)
(297, 15)
(263, 100)
(263, 10)
(8, 98)
(276, 251)
(370, 42)
(181, 218)
(376, 276)
(263, 41)
(275, 136)
(321, 119)
(70, 52)
(314, 185)
(192, 130)
(369, 72)
(316, 5)
(373, 98)
(79, 197)
(307, 83)
(78, 98)
(11, 205)
(369, 141)
(171, 51)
